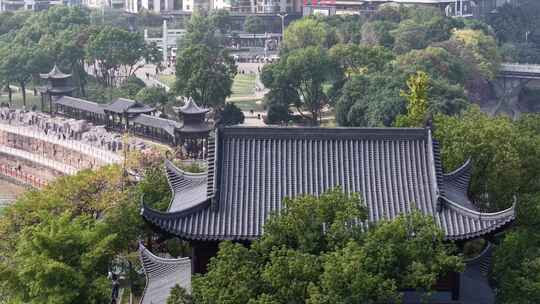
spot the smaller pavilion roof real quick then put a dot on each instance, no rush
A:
(190, 107)
(162, 275)
(81, 104)
(123, 105)
(55, 73)
(167, 125)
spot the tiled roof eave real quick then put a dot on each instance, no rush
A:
(190, 180)
(164, 271)
(500, 219)
(480, 233)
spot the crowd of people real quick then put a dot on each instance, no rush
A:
(69, 129)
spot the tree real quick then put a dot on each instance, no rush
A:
(278, 113)
(406, 253)
(204, 69)
(371, 100)
(254, 25)
(60, 261)
(20, 63)
(204, 74)
(312, 252)
(56, 244)
(206, 29)
(517, 258)
(409, 35)
(417, 101)
(231, 115)
(281, 96)
(179, 296)
(511, 22)
(504, 155)
(436, 61)
(306, 71)
(378, 33)
(303, 33)
(152, 96)
(483, 49)
(115, 52)
(355, 59)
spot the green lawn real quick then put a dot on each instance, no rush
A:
(243, 85)
(168, 80)
(17, 100)
(248, 105)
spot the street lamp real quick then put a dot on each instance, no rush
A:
(282, 15)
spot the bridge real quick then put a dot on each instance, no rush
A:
(510, 81)
(521, 71)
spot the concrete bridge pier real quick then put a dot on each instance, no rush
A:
(507, 92)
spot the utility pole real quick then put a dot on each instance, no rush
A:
(282, 15)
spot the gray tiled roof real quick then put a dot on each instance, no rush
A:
(162, 275)
(81, 104)
(167, 125)
(395, 170)
(55, 73)
(192, 108)
(122, 105)
(189, 189)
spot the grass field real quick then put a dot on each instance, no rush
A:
(168, 80)
(31, 100)
(248, 105)
(243, 85)
(243, 91)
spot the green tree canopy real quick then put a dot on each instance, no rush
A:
(205, 74)
(504, 155)
(254, 25)
(304, 72)
(152, 96)
(314, 252)
(303, 33)
(417, 101)
(483, 48)
(204, 69)
(111, 50)
(231, 115)
(179, 296)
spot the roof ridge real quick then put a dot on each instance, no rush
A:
(83, 100)
(337, 132)
(159, 118)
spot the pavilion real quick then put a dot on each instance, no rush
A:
(128, 115)
(57, 85)
(195, 129)
(122, 110)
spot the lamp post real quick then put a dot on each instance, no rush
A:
(282, 15)
(119, 271)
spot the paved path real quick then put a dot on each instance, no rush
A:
(151, 80)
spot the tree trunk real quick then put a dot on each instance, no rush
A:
(10, 95)
(23, 92)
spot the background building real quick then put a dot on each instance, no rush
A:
(457, 8)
